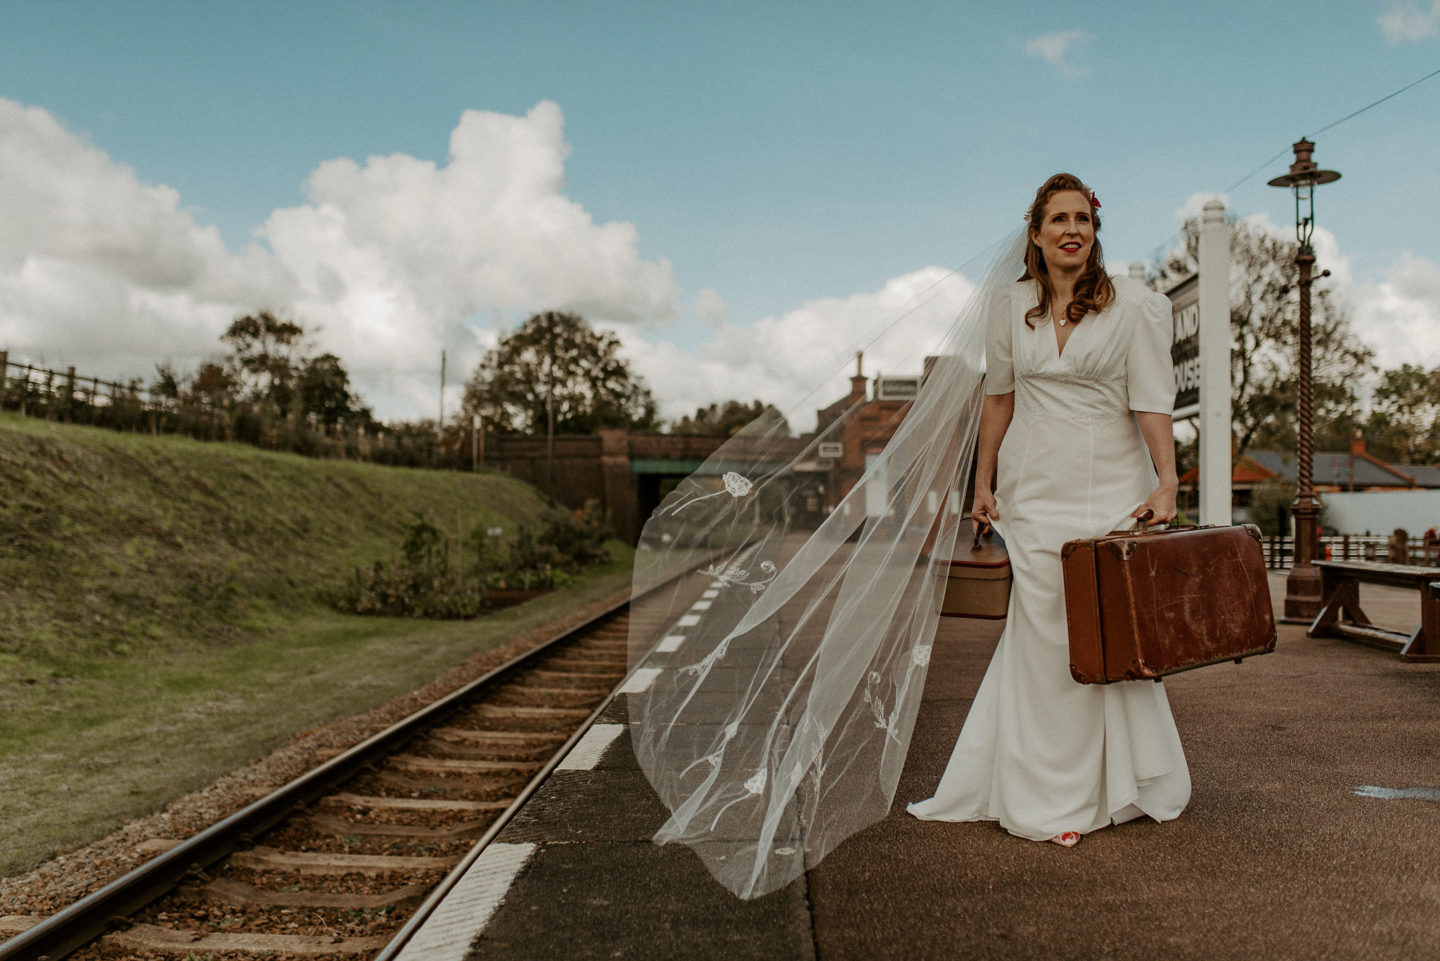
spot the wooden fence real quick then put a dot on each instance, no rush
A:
(32, 390)
(1280, 551)
(66, 396)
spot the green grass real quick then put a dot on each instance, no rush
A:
(164, 613)
(111, 543)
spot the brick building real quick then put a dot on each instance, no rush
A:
(854, 429)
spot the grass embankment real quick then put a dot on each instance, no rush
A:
(165, 615)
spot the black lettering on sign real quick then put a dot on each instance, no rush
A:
(1187, 375)
(1187, 323)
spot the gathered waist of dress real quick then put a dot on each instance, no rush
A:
(1071, 396)
(1092, 416)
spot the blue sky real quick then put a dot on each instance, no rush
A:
(773, 161)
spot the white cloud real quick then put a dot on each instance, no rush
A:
(801, 360)
(781, 359)
(710, 307)
(1399, 315)
(1054, 48)
(1396, 314)
(395, 255)
(391, 260)
(100, 270)
(1408, 21)
(1194, 204)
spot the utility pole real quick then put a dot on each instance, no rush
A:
(550, 398)
(440, 424)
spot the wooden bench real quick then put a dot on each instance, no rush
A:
(1342, 616)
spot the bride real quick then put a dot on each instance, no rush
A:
(782, 667)
(1071, 356)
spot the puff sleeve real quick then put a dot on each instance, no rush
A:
(1149, 371)
(999, 358)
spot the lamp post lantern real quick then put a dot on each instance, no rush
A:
(1302, 586)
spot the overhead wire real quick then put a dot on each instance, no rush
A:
(1334, 124)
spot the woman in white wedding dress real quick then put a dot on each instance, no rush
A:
(1075, 431)
(773, 714)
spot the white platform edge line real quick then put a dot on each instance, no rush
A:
(462, 916)
(711, 594)
(689, 620)
(640, 681)
(587, 753)
(700, 606)
(670, 644)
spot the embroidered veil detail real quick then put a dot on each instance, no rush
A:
(785, 649)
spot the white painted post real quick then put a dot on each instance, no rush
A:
(1214, 420)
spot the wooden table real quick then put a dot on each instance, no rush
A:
(1342, 616)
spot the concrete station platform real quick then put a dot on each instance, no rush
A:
(1313, 833)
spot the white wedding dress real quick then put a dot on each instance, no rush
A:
(1040, 753)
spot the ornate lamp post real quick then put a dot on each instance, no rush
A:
(1302, 587)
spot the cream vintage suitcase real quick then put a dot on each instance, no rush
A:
(978, 576)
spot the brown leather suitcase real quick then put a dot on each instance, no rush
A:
(978, 578)
(1144, 604)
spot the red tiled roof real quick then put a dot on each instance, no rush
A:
(1244, 471)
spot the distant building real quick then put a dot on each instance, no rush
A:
(1332, 472)
(851, 433)
(1356, 470)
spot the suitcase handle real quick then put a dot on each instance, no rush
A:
(986, 531)
(1142, 527)
(1168, 529)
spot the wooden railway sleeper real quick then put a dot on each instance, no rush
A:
(139, 891)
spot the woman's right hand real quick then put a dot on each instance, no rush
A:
(983, 510)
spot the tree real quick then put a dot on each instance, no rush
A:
(724, 420)
(1270, 502)
(323, 387)
(557, 375)
(1264, 339)
(167, 382)
(212, 383)
(266, 390)
(1404, 421)
(262, 348)
(215, 383)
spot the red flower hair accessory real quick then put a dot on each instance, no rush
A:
(1095, 201)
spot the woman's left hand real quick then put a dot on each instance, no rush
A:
(1161, 504)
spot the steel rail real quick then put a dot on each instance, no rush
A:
(83, 921)
(416, 921)
(438, 894)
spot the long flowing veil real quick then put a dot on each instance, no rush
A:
(781, 650)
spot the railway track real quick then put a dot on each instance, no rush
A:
(336, 862)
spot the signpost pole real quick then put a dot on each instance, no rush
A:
(1214, 420)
